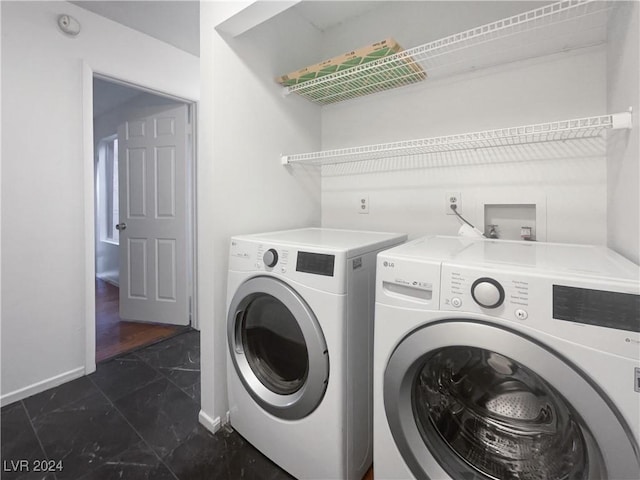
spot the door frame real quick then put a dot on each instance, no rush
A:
(88, 74)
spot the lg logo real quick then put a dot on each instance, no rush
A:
(388, 264)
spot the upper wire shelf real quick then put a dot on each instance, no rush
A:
(557, 27)
(573, 129)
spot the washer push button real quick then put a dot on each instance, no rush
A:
(521, 314)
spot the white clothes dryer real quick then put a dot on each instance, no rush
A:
(300, 337)
(506, 360)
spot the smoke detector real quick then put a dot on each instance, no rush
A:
(69, 25)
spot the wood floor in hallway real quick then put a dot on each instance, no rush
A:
(115, 336)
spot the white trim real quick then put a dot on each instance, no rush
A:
(192, 213)
(89, 219)
(88, 74)
(143, 88)
(41, 386)
(211, 424)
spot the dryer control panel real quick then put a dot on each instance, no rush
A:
(268, 258)
(321, 269)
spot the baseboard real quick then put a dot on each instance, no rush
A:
(110, 277)
(211, 424)
(41, 386)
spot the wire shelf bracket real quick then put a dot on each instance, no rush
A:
(573, 129)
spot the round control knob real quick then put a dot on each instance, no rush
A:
(487, 292)
(270, 258)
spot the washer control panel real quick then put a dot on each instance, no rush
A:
(270, 257)
(471, 290)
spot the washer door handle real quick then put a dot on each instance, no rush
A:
(238, 347)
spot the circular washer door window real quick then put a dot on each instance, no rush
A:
(277, 348)
(473, 400)
(497, 416)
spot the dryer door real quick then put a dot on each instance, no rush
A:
(277, 348)
(476, 401)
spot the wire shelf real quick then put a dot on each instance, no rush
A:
(561, 26)
(573, 129)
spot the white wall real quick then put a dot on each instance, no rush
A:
(623, 80)
(1, 150)
(0, 197)
(567, 183)
(43, 184)
(245, 124)
(412, 22)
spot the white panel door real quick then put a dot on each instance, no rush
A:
(152, 157)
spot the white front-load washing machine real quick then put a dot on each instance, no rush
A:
(506, 360)
(300, 337)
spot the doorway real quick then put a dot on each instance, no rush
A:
(143, 192)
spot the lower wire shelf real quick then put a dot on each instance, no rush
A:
(563, 130)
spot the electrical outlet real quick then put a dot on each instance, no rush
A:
(453, 198)
(363, 203)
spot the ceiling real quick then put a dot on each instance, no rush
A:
(328, 13)
(178, 22)
(173, 22)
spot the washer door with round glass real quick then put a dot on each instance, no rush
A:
(277, 348)
(476, 401)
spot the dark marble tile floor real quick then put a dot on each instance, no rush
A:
(135, 418)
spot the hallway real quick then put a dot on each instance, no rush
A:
(115, 336)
